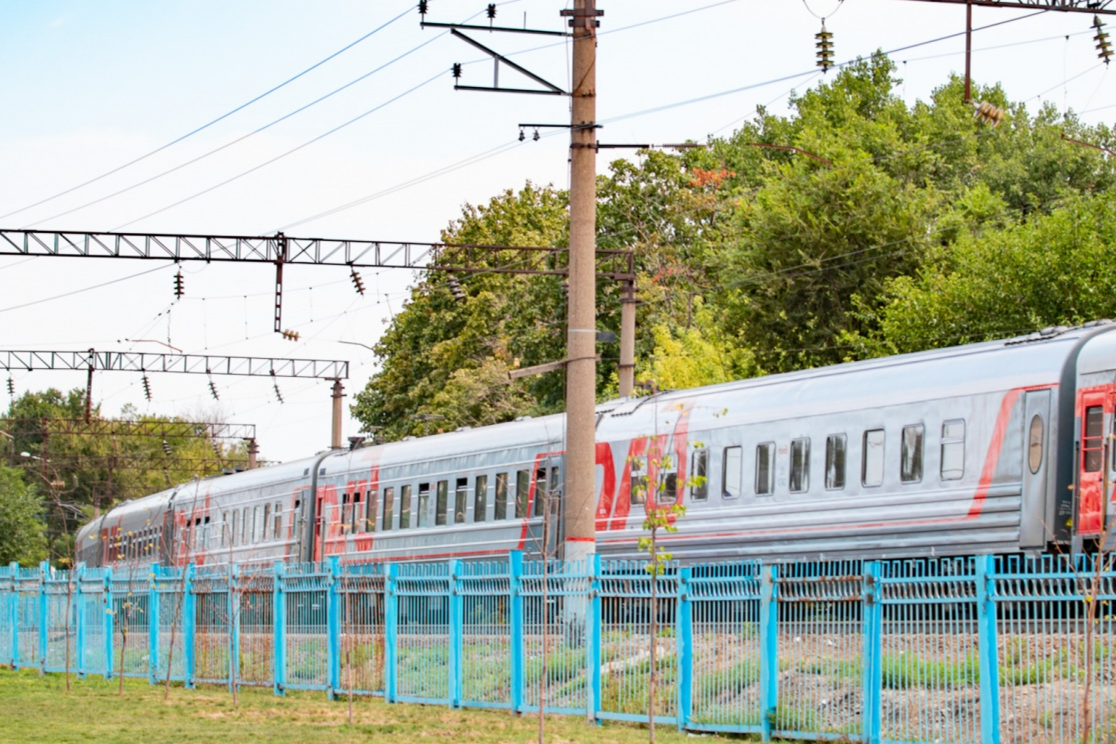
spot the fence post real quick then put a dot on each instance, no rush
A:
(77, 606)
(391, 622)
(594, 622)
(108, 617)
(13, 614)
(232, 599)
(769, 649)
(333, 619)
(153, 624)
(515, 599)
(456, 621)
(189, 626)
(872, 673)
(279, 629)
(44, 617)
(989, 667)
(685, 635)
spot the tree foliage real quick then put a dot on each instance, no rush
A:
(857, 225)
(22, 538)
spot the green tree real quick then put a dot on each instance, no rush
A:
(22, 537)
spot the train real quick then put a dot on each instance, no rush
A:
(995, 447)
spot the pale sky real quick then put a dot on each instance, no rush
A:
(88, 87)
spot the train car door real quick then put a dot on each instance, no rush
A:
(1092, 468)
(1033, 527)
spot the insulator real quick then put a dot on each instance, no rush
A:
(491, 11)
(824, 44)
(216, 448)
(988, 113)
(456, 70)
(278, 395)
(522, 134)
(213, 391)
(147, 388)
(178, 285)
(1104, 46)
(456, 290)
(11, 387)
(166, 448)
(566, 291)
(536, 137)
(290, 335)
(423, 7)
(358, 283)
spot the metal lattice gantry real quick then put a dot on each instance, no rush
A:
(204, 364)
(281, 249)
(1063, 6)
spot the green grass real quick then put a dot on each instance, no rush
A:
(36, 710)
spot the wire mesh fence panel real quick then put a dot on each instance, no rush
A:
(486, 674)
(627, 654)
(212, 625)
(362, 628)
(554, 636)
(62, 611)
(423, 633)
(726, 694)
(28, 585)
(1056, 644)
(929, 654)
(306, 586)
(7, 599)
(92, 611)
(169, 585)
(253, 602)
(130, 627)
(819, 649)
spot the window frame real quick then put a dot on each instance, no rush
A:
(772, 453)
(803, 445)
(879, 471)
(831, 453)
(912, 464)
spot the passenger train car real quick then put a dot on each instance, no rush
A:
(999, 447)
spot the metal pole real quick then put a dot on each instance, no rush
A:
(254, 449)
(968, 52)
(335, 442)
(627, 339)
(581, 381)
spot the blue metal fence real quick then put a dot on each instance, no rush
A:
(982, 649)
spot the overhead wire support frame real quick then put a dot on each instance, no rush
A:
(135, 361)
(552, 90)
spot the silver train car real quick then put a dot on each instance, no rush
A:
(1001, 447)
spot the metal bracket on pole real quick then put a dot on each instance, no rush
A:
(551, 89)
(280, 259)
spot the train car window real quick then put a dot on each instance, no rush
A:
(501, 508)
(442, 503)
(732, 469)
(668, 487)
(224, 539)
(910, 461)
(765, 468)
(206, 535)
(232, 528)
(346, 512)
(872, 463)
(359, 523)
(542, 492)
(257, 525)
(699, 472)
(267, 522)
(388, 495)
(423, 516)
(278, 512)
(480, 498)
(245, 533)
(638, 489)
(1034, 444)
(405, 507)
(460, 500)
(953, 449)
(836, 447)
(800, 465)
(555, 484)
(522, 491)
(1091, 445)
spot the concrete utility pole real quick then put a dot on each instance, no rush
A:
(627, 339)
(338, 394)
(581, 381)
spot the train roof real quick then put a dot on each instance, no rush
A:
(1035, 359)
